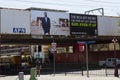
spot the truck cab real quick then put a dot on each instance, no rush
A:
(109, 62)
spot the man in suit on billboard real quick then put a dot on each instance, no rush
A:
(46, 24)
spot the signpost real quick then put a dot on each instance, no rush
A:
(114, 40)
(53, 44)
(86, 44)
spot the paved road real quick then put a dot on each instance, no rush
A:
(61, 77)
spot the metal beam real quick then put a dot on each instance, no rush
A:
(100, 10)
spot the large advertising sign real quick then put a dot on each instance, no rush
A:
(108, 26)
(15, 21)
(81, 24)
(117, 24)
(49, 23)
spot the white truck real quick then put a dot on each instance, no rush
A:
(109, 62)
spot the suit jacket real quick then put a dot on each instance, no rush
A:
(44, 23)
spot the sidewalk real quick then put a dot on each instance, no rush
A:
(61, 77)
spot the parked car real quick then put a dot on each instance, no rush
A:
(109, 62)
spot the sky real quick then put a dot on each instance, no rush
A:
(111, 7)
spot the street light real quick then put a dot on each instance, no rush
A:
(114, 40)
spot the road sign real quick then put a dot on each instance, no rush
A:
(90, 42)
(53, 44)
(86, 42)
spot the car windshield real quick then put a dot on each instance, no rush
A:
(113, 59)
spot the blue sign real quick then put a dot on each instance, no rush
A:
(86, 42)
(91, 42)
(81, 42)
(19, 30)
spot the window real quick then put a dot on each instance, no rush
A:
(68, 49)
(61, 49)
(104, 47)
(111, 46)
(99, 47)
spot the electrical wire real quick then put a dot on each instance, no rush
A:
(76, 4)
(68, 3)
(52, 3)
(108, 2)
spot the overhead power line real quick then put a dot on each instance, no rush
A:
(81, 5)
(67, 3)
(108, 2)
(53, 3)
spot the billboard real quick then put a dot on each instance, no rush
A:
(49, 23)
(15, 21)
(108, 26)
(81, 24)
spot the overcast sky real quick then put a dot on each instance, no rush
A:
(111, 7)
